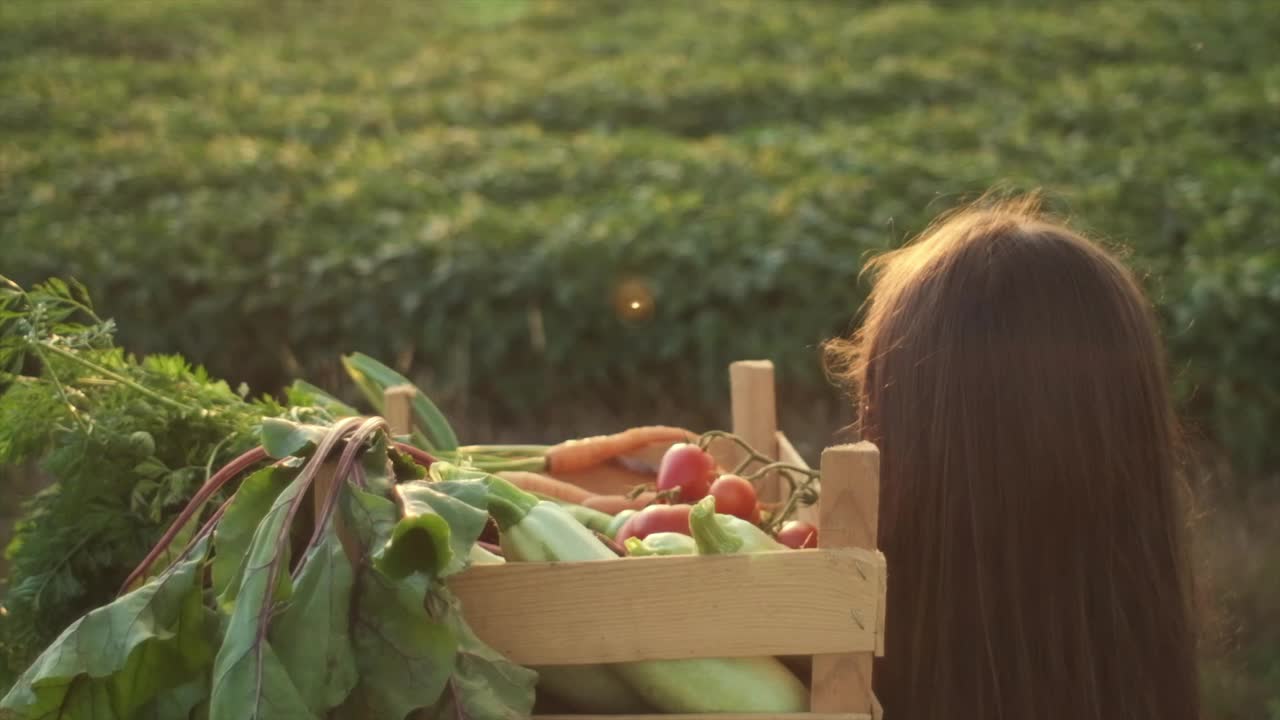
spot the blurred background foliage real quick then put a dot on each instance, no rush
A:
(560, 216)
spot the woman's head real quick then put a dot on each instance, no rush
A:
(1011, 374)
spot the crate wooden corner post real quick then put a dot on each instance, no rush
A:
(848, 517)
(753, 399)
(398, 408)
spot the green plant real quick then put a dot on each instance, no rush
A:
(124, 441)
(261, 609)
(551, 184)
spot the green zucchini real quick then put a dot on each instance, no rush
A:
(716, 685)
(662, 543)
(537, 530)
(719, 534)
(590, 689)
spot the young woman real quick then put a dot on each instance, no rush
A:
(1031, 511)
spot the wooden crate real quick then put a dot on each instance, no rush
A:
(826, 604)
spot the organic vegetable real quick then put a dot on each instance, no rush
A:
(720, 534)
(480, 555)
(688, 468)
(662, 543)
(548, 487)
(798, 534)
(655, 518)
(735, 496)
(540, 530)
(292, 620)
(373, 378)
(741, 685)
(614, 504)
(618, 521)
(590, 689)
(593, 519)
(123, 443)
(576, 455)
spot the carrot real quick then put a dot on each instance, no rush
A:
(575, 455)
(614, 504)
(607, 479)
(548, 486)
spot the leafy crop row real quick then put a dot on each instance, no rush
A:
(221, 173)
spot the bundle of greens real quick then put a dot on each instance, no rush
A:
(314, 590)
(123, 444)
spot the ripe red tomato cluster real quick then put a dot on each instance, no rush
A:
(688, 469)
(736, 496)
(691, 472)
(798, 534)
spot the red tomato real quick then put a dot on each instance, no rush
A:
(655, 518)
(735, 496)
(689, 468)
(798, 534)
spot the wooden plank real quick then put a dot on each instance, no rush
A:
(398, 409)
(848, 517)
(777, 603)
(787, 454)
(714, 716)
(755, 415)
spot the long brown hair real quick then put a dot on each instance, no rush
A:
(1032, 514)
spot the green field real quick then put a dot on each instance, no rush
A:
(462, 188)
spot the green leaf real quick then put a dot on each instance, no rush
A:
(484, 683)
(311, 635)
(302, 392)
(437, 530)
(119, 658)
(405, 657)
(447, 472)
(235, 531)
(249, 681)
(380, 470)
(174, 551)
(405, 467)
(370, 517)
(373, 378)
(176, 703)
(282, 438)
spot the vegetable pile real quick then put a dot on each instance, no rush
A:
(124, 443)
(299, 560)
(260, 607)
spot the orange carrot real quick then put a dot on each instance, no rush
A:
(614, 504)
(550, 487)
(607, 479)
(575, 455)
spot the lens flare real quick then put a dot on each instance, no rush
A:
(633, 301)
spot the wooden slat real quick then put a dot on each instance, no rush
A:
(787, 454)
(755, 415)
(849, 517)
(777, 603)
(714, 716)
(398, 409)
